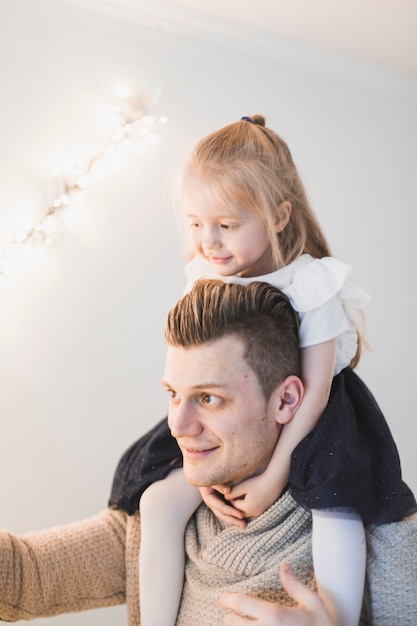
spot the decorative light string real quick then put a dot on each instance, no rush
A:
(131, 122)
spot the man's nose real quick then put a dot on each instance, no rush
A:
(183, 421)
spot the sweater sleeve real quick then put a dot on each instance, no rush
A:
(65, 569)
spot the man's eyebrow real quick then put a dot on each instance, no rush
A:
(209, 385)
(200, 386)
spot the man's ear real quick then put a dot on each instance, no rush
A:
(283, 214)
(288, 397)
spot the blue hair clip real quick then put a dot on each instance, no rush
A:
(247, 119)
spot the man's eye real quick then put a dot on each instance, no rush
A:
(195, 225)
(173, 394)
(208, 398)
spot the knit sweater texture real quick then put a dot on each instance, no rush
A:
(94, 563)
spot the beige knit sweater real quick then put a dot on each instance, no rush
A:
(94, 564)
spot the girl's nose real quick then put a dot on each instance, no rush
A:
(211, 240)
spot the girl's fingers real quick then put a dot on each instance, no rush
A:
(225, 512)
(228, 510)
(222, 489)
(233, 521)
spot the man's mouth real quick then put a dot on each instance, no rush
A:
(196, 453)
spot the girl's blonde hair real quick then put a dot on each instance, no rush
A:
(248, 166)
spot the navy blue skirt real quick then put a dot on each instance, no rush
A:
(348, 462)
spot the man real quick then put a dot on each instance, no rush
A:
(232, 375)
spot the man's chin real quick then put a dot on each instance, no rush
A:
(197, 480)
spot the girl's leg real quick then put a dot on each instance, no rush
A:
(339, 559)
(165, 508)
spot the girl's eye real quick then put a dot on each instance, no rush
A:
(227, 226)
(195, 225)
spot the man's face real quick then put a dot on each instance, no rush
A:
(225, 428)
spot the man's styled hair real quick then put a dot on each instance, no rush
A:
(259, 314)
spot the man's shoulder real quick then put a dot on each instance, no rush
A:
(392, 572)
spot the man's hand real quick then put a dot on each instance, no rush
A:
(310, 609)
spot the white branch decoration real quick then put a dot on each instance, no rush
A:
(133, 121)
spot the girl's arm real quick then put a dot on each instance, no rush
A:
(259, 492)
(339, 558)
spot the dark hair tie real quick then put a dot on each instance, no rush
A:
(247, 119)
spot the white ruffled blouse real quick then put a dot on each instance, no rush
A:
(320, 292)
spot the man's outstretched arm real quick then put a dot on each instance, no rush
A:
(69, 568)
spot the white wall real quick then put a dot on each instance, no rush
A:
(81, 345)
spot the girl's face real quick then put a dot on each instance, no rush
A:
(234, 242)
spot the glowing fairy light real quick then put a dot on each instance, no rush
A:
(131, 121)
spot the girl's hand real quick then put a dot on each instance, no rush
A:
(253, 496)
(226, 513)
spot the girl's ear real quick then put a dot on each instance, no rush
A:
(288, 397)
(283, 215)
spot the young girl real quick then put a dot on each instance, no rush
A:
(250, 220)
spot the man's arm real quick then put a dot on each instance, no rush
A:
(310, 609)
(69, 568)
